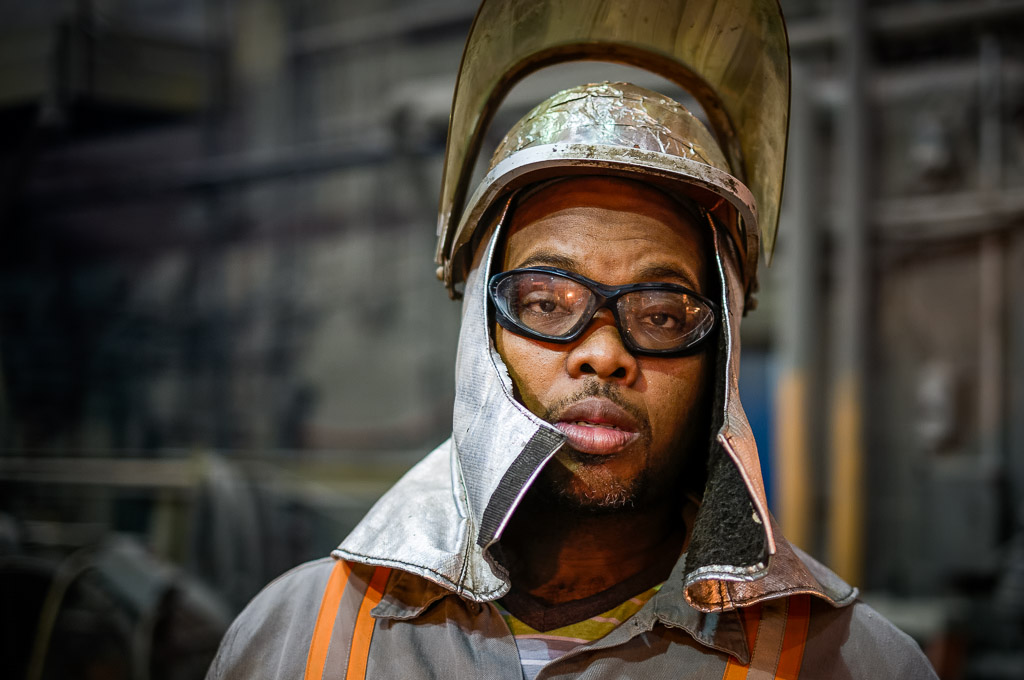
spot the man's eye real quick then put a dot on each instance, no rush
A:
(537, 304)
(662, 320)
(545, 306)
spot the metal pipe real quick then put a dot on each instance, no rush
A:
(803, 33)
(846, 516)
(991, 350)
(220, 172)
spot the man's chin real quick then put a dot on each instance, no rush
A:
(585, 481)
(596, 501)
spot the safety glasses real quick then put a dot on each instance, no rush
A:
(553, 305)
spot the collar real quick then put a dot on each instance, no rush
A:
(407, 596)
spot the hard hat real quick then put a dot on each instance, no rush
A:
(731, 55)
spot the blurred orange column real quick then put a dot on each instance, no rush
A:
(793, 495)
(796, 326)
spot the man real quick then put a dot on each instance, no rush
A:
(599, 510)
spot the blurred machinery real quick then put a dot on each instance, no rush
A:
(220, 336)
(109, 610)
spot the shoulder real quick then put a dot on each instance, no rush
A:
(855, 642)
(271, 637)
(849, 639)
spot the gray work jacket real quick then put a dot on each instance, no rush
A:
(421, 630)
(434, 616)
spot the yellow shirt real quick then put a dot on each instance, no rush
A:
(537, 649)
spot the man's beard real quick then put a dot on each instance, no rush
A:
(569, 490)
(612, 495)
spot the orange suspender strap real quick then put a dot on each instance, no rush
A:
(325, 620)
(775, 653)
(362, 634)
(797, 623)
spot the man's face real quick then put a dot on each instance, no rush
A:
(632, 421)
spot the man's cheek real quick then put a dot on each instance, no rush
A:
(521, 363)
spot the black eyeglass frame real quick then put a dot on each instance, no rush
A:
(604, 297)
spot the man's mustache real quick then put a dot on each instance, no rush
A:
(596, 388)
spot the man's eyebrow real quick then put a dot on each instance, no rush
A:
(547, 259)
(657, 272)
(652, 272)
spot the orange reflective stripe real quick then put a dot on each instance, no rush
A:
(797, 622)
(360, 651)
(734, 670)
(321, 641)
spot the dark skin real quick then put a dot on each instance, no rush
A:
(594, 519)
(579, 554)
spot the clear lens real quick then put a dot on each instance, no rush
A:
(664, 320)
(545, 303)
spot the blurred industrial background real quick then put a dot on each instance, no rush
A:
(221, 337)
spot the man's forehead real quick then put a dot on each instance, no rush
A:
(582, 224)
(607, 192)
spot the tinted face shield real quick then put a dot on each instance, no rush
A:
(554, 305)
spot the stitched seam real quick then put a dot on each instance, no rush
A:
(379, 561)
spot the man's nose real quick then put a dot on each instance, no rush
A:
(602, 353)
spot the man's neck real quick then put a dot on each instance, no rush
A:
(558, 554)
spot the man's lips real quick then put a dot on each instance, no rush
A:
(597, 426)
